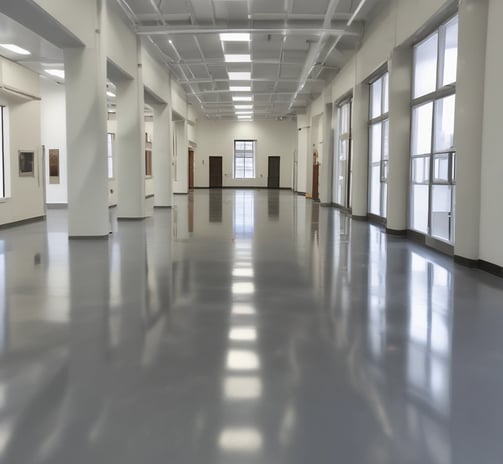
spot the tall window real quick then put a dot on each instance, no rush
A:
(343, 162)
(244, 159)
(379, 151)
(2, 153)
(110, 154)
(433, 156)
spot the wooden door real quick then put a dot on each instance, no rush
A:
(191, 169)
(273, 172)
(215, 172)
(316, 176)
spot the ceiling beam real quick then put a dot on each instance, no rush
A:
(288, 29)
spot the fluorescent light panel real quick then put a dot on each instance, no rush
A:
(242, 99)
(110, 94)
(239, 76)
(235, 37)
(243, 113)
(243, 107)
(245, 58)
(240, 88)
(56, 73)
(245, 118)
(15, 49)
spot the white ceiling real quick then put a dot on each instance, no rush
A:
(296, 47)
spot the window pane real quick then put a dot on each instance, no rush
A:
(425, 66)
(444, 123)
(421, 129)
(376, 99)
(420, 170)
(375, 190)
(2, 154)
(419, 208)
(385, 136)
(450, 53)
(441, 198)
(376, 142)
(441, 167)
(385, 93)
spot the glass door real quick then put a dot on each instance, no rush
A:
(379, 151)
(343, 164)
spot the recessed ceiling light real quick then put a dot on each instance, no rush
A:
(239, 76)
(111, 94)
(15, 49)
(235, 37)
(56, 73)
(242, 116)
(244, 58)
(240, 88)
(243, 107)
(242, 99)
(244, 112)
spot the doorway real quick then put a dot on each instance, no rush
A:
(215, 172)
(273, 172)
(191, 169)
(316, 177)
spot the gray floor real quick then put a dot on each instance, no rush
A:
(245, 327)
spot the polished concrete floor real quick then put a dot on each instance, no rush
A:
(245, 327)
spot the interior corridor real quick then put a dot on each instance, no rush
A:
(245, 326)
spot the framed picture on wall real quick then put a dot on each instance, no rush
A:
(26, 163)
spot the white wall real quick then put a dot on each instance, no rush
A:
(53, 114)
(26, 199)
(216, 138)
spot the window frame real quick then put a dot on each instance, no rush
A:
(381, 119)
(441, 92)
(244, 157)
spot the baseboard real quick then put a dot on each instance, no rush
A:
(357, 217)
(162, 207)
(396, 232)
(131, 219)
(491, 268)
(471, 263)
(374, 219)
(303, 194)
(325, 205)
(343, 208)
(89, 237)
(151, 195)
(22, 222)
(480, 264)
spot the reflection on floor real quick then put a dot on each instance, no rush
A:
(245, 327)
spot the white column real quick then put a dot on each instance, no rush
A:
(326, 165)
(469, 125)
(400, 81)
(360, 153)
(491, 223)
(162, 156)
(86, 125)
(131, 147)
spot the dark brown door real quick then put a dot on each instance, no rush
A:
(316, 176)
(215, 172)
(191, 169)
(273, 172)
